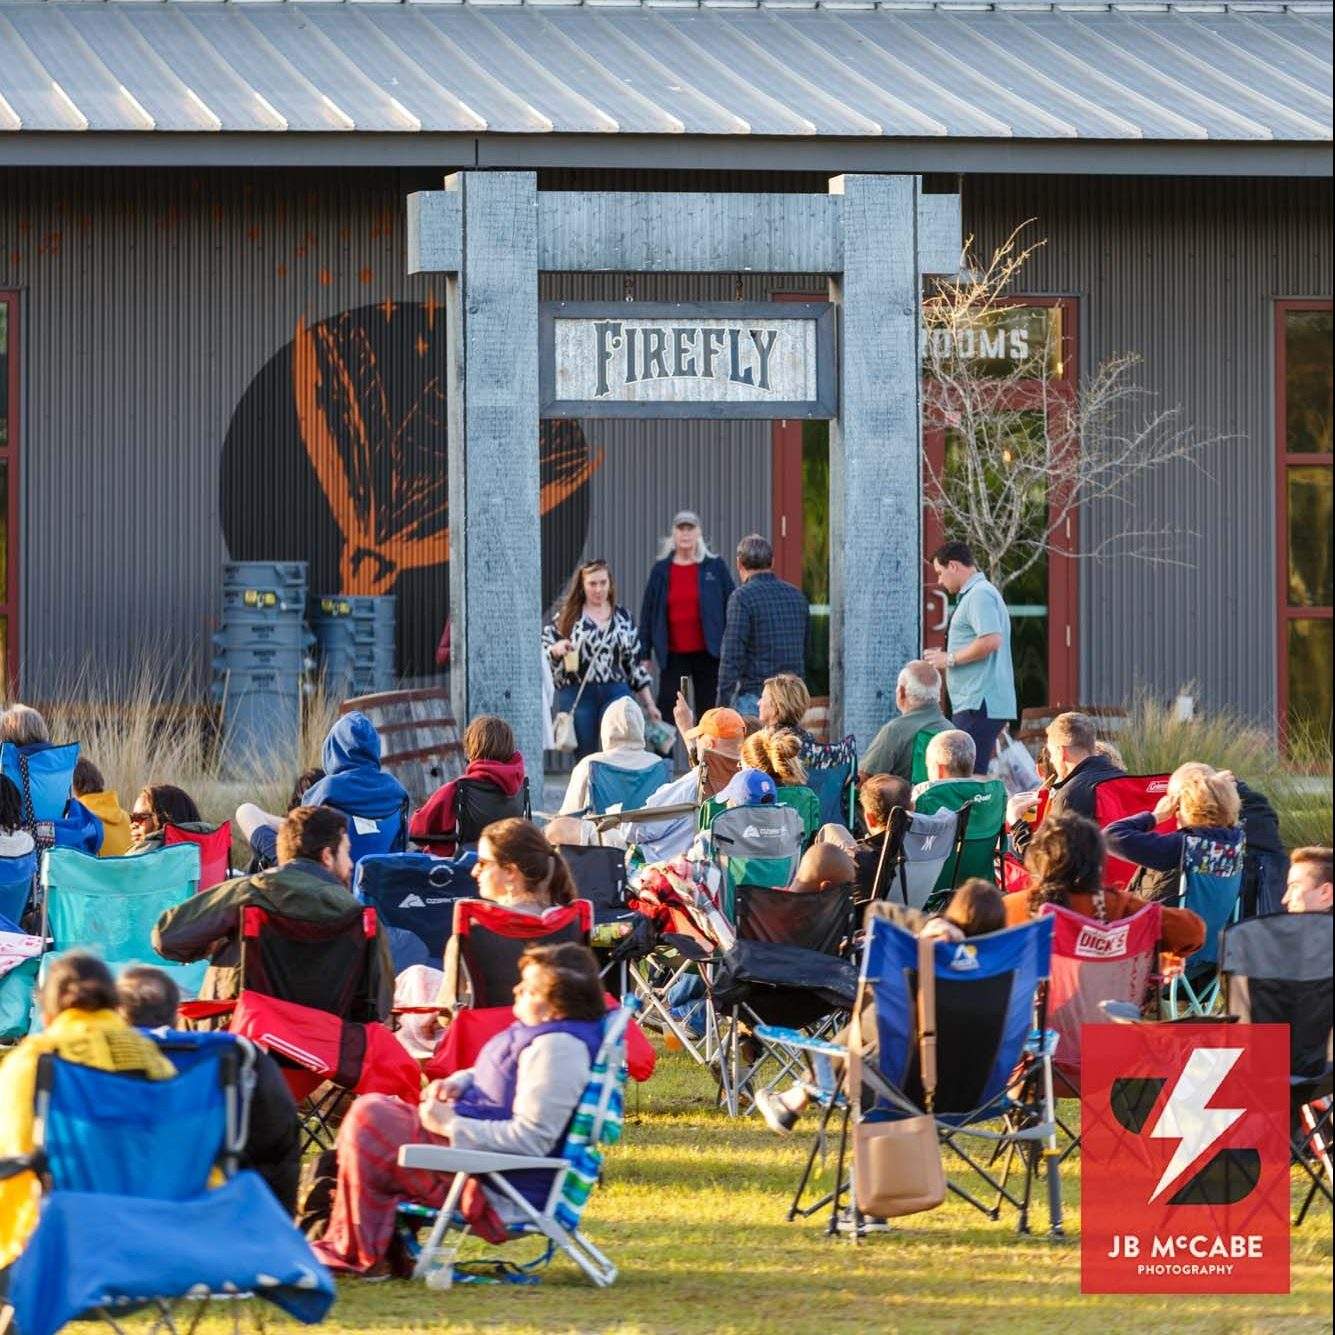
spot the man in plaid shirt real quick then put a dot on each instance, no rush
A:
(766, 631)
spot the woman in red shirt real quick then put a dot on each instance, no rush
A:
(683, 613)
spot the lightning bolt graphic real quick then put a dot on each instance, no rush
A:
(1185, 1116)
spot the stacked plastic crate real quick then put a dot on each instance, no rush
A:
(354, 637)
(262, 659)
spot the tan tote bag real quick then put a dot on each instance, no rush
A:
(897, 1165)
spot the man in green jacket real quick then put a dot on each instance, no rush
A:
(310, 884)
(894, 749)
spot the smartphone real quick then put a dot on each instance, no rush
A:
(684, 686)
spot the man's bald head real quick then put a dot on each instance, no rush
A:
(824, 867)
(919, 685)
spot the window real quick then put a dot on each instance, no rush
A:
(1303, 380)
(9, 445)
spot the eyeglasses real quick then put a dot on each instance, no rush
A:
(139, 817)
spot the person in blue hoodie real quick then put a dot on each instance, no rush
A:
(375, 802)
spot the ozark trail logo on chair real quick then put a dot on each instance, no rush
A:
(1184, 1169)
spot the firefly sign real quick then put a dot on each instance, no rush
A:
(718, 359)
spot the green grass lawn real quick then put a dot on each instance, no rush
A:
(693, 1212)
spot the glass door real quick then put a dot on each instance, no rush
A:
(1303, 377)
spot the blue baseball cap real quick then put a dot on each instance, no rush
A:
(749, 788)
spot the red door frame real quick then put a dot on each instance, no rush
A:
(1063, 574)
(1283, 461)
(9, 454)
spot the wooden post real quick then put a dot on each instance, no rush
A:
(495, 527)
(875, 465)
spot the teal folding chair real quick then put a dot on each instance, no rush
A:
(1210, 885)
(110, 906)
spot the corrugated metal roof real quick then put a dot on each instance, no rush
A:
(840, 68)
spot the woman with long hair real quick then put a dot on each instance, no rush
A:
(778, 753)
(683, 612)
(593, 646)
(157, 806)
(1065, 861)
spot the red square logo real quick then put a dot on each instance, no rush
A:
(1184, 1158)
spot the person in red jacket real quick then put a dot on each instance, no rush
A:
(491, 788)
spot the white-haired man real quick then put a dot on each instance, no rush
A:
(918, 699)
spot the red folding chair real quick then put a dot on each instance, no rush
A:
(215, 851)
(1094, 962)
(490, 941)
(309, 996)
(1115, 799)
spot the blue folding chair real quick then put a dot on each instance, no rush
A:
(17, 876)
(1210, 884)
(129, 1218)
(832, 775)
(370, 835)
(44, 778)
(416, 892)
(110, 906)
(630, 789)
(994, 1070)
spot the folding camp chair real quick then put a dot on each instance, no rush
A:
(111, 905)
(753, 845)
(920, 850)
(1210, 885)
(787, 968)
(832, 773)
(130, 1215)
(574, 1170)
(18, 981)
(600, 877)
(1094, 963)
(993, 1057)
(491, 940)
(613, 785)
(984, 801)
(1277, 970)
(1115, 799)
(16, 881)
(308, 995)
(215, 851)
(381, 832)
(44, 778)
(416, 893)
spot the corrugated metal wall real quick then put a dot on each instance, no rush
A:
(164, 313)
(1183, 273)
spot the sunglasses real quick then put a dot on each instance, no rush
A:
(139, 817)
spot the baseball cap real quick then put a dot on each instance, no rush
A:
(718, 723)
(686, 517)
(748, 788)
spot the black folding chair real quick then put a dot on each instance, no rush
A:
(1277, 970)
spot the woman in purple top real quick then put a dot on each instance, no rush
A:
(518, 1098)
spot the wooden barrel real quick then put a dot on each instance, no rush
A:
(419, 739)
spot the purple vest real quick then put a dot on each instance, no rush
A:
(491, 1096)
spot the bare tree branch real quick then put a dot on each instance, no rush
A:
(1027, 447)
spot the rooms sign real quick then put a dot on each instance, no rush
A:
(717, 359)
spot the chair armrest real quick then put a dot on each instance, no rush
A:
(793, 1038)
(205, 1010)
(446, 1159)
(20, 1163)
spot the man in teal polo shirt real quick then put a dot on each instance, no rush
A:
(977, 657)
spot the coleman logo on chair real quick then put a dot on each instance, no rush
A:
(1184, 1159)
(1102, 943)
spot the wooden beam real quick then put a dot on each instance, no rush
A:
(659, 232)
(875, 466)
(495, 525)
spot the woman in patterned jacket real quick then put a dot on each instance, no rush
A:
(592, 642)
